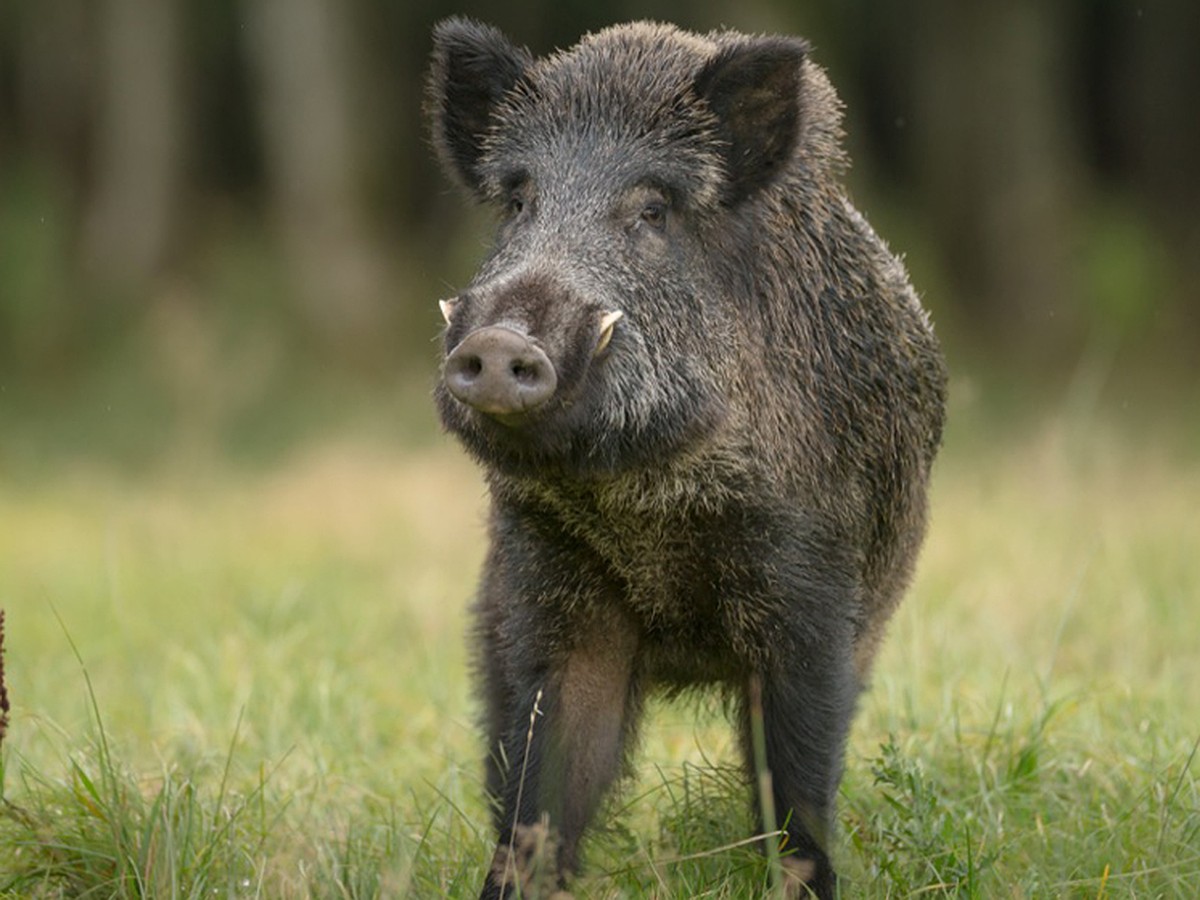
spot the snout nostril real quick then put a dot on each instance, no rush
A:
(465, 368)
(524, 372)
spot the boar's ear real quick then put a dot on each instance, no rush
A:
(473, 67)
(753, 88)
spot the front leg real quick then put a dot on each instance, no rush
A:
(804, 706)
(798, 701)
(557, 670)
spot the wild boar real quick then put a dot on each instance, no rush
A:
(706, 400)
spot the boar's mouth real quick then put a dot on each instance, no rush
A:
(528, 408)
(504, 373)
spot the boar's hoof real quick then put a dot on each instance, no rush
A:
(500, 372)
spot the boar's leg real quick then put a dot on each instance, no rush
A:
(559, 718)
(806, 715)
(804, 689)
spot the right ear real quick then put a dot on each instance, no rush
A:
(473, 67)
(753, 89)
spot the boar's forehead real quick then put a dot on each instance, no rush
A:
(617, 109)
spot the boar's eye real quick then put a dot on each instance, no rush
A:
(516, 195)
(644, 210)
(654, 213)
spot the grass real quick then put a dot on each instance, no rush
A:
(251, 682)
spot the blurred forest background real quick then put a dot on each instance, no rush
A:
(220, 220)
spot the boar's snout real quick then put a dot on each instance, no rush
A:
(500, 372)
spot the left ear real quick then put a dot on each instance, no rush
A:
(473, 67)
(753, 89)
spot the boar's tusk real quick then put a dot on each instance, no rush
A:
(447, 308)
(607, 321)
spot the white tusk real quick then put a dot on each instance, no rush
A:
(447, 308)
(607, 321)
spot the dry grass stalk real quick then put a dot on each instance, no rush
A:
(3, 686)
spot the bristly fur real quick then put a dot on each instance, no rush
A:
(732, 487)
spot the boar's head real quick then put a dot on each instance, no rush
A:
(604, 330)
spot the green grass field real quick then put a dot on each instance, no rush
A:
(251, 682)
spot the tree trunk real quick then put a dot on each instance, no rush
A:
(301, 51)
(132, 213)
(54, 55)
